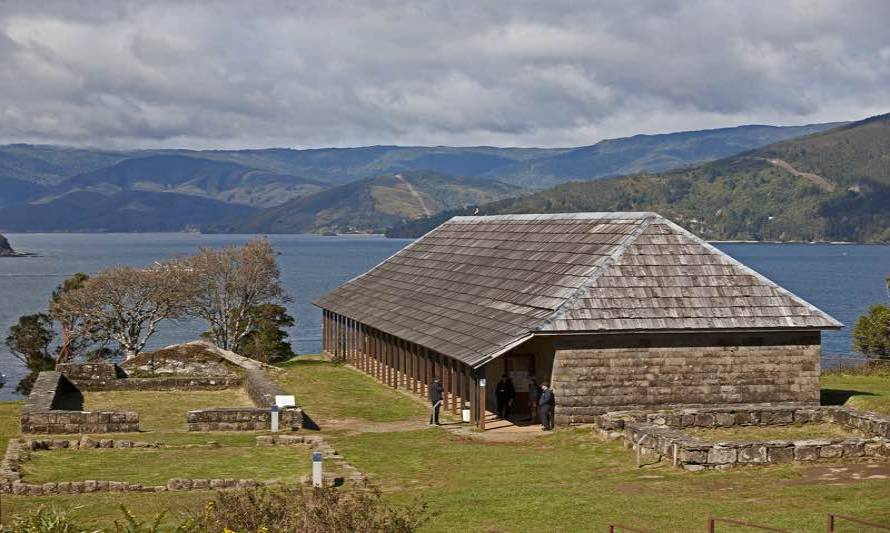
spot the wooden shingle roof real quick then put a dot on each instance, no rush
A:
(476, 286)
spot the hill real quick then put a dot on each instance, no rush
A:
(370, 205)
(648, 153)
(220, 180)
(38, 180)
(125, 211)
(832, 185)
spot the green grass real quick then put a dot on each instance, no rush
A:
(164, 410)
(154, 466)
(102, 509)
(571, 481)
(566, 481)
(329, 390)
(805, 431)
(866, 392)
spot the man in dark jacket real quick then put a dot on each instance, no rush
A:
(534, 393)
(435, 401)
(545, 406)
(504, 393)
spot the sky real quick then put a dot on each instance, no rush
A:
(256, 74)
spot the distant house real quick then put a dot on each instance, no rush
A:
(615, 310)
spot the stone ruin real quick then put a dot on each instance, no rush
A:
(55, 405)
(56, 402)
(662, 433)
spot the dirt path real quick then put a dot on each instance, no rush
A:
(415, 194)
(815, 179)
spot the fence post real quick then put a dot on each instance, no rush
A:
(711, 527)
(830, 527)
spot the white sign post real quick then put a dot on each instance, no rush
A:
(316, 469)
(274, 419)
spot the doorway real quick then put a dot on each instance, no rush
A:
(521, 368)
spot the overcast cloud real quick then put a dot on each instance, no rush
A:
(306, 74)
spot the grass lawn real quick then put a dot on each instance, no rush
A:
(154, 466)
(164, 410)
(565, 481)
(572, 481)
(869, 392)
(806, 431)
(328, 390)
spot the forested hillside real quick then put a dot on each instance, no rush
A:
(832, 186)
(370, 205)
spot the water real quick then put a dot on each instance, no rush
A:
(840, 279)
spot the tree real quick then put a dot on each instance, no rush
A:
(871, 335)
(76, 334)
(267, 339)
(125, 304)
(228, 284)
(29, 341)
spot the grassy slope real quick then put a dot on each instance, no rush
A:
(569, 480)
(326, 390)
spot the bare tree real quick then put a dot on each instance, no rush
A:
(126, 304)
(228, 283)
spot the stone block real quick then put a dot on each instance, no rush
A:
(686, 455)
(217, 483)
(831, 451)
(724, 419)
(722, 455)
(780, 454)
(853, 447)
(752, 454)
(806, 452)
(200, 484)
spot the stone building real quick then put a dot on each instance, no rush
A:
(615, 310)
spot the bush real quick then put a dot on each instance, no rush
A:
(871, 336)
(43, 520)
(322, 510)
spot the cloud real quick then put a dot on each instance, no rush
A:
(302, 74)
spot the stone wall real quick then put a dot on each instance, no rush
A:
(54, 406)
(242, 419)
(109, 376)
(261, 388)
(662, 434)
(593, 374)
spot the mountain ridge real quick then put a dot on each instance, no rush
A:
(832, 185)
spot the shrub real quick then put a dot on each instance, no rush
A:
(323, 510)
(43, 520)
(871, 336)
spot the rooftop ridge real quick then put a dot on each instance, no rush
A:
(605, 215)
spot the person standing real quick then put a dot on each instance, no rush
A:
(504, 395)
(546, 403)
(435, 401)
(534, 393)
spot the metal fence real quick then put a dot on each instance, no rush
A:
(831, 525)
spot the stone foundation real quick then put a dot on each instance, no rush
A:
(243, 419)
(54, 406)
(594, 374)
(662, 433)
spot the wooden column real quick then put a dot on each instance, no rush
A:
(390, 362)
(455, 385)
(414, 350)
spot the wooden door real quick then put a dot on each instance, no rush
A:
(520, 368)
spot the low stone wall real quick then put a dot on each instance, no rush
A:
(261, 388)
(109, 376)
(662, 433)
(242, 419)
(54, 406)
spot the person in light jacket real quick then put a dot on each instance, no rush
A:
(546, 403)
(435, 401)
